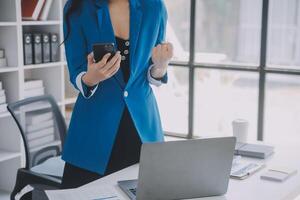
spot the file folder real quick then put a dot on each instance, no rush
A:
(54, 48)
(46, 48)
(28, 56)
(37, 48)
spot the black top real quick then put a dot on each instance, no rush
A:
(123, 47)
(127, 146)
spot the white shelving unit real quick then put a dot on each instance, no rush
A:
(54, 75)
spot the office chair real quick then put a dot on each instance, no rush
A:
(43, 130)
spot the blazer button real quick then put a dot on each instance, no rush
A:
(125, 94)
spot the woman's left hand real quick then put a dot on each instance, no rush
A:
(161, 56)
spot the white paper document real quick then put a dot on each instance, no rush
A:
(91, 193)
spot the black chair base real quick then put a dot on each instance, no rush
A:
(26, 177)
(33, 158)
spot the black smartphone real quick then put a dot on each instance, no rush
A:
(101, 49)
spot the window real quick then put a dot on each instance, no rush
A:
(233, 59)
(178, 27)
(282, 120)
(172, 100)
(228, 31)
(284, 34)
(221, 97)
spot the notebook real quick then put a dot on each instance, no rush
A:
(253, 150)
(278, 174)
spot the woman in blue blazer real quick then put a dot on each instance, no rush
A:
(116, 110)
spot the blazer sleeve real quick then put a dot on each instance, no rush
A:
(160, 38)
(76, 53)
(162, 25)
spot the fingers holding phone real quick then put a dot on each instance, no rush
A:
(101, 70)
(103, 61)
(113, 65)
(109, 66)
(109, 63)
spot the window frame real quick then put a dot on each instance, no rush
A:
(262, 69)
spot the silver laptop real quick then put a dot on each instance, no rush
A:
(182, 170)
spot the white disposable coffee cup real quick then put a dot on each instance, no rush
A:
(240, 130)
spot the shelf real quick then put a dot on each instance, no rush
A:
(12, 29)
(7, 155)
(4, 195)
(8, 69)
(54, 143)
(8, 11)
(5, 114)
(43, 65)
(8, 23)
(9, 42)
(41, 23)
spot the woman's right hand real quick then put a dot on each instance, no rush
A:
(102, 70)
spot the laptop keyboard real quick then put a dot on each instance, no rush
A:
(133, 191)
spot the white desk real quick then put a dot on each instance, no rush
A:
(249, 189)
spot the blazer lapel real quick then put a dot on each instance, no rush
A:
(100, 17)
(107, 33)
(136, 15)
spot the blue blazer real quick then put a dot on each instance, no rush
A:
(95, 120)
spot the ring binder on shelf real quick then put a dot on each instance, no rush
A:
(37, 48)
(28, 56)
(54, 48)
(46, 48)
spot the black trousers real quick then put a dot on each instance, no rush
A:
(125, 152)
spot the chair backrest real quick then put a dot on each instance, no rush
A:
(42, 127)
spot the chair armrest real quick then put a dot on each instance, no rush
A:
(36, 178)
(44, 154)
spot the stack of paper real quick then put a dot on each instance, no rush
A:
(3, 104)
(33, 88)
(253, 150)
(39, 128)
